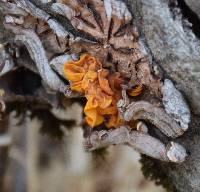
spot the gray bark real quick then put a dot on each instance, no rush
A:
(175, 48)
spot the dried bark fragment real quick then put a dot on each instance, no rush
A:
(6, 62)
(175, 104)
(176, 152)
(109, 23)
(12, 8)
(157, 116)
(57, 63)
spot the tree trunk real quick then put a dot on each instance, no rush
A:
(170, 29)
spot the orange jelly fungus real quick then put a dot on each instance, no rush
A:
(136, 91)
(101, 88)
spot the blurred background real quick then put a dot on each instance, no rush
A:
(35, 162)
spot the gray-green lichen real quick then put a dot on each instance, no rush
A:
(175, 104)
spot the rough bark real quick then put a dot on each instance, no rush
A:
(174, 46)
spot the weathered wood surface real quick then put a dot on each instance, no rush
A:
(175, 47)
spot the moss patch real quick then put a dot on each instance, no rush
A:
(156, 171)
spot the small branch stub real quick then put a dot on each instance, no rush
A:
(139, 141)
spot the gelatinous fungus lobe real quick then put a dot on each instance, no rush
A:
(101, 88)
(115, 43)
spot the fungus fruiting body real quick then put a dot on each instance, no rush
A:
(136, 91)
(101, 88)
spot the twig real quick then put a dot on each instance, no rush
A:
(142, 142)
(30, 39)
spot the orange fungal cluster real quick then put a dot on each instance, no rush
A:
(136, 91)
(101, 88)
